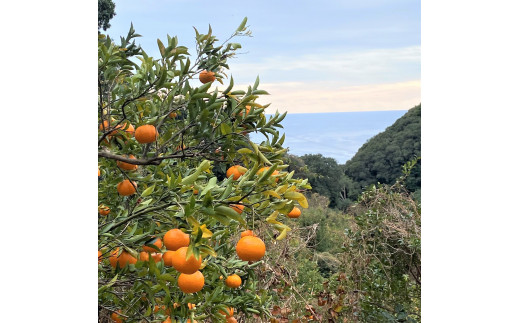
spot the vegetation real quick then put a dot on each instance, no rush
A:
(170, 221)
(380, 159)
(364, 266)
(197, 223)
(377, 161)
(106, 11)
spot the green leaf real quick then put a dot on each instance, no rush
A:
(148, 191)
(230, 213)
(242, 25)
(225, 128)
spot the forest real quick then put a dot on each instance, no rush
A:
(379, 160)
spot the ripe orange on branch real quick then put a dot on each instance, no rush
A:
(250, 248)
(146, 134)
(248, 108)
(295, 213)
(230, 310)
(191, 283)
(116, 318)
(168, 258)
(126, 188)
(236, 171)
(156, 242)
(124, 259)
(175, 239)
(237, 207)
(206, 76)
(103, 209)
(233, 281)
(247, 233)
(263, 169)
(127, 166)
(145, 256)
(183, 265)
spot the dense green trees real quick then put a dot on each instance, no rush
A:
(326, 177)
(381, 158)
(106, 11)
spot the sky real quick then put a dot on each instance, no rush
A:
(335, 56)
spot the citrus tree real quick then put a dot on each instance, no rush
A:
(182, 188)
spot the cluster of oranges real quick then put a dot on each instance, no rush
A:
(191, 279)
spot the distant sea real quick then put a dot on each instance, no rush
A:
(338, 135)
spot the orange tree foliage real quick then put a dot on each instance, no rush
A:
(180, 180)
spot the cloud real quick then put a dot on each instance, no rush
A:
(314, 97)
(350, 68)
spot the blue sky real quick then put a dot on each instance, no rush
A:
(329, 57)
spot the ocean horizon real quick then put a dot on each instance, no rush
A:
(338, 135)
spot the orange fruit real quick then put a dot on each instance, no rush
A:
(191, 306)
(124, 259)
(98, 172)
(146, 134)
(231, 320)
(206, 76)
(237, 207)
(115, 317)
(220, 277)
(103, 209)
(248, 108)
(126, 188)
(191, 283)
(235, 172)
(130, 130)
(99, 256)
(183, 265)
(230, 310)
(247, 233)
(145, 256)
(157, 308)
(263, 169)
(250, 248)
(105, 126)
(168, 320)
(173, 115)
(175, 239)
(168, 258)
(233, 281)
(295, 212)
(189, 321)
(156, 242)
(113, 257)
(127, 166)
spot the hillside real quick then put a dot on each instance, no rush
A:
(381, 158)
